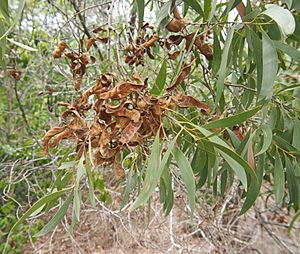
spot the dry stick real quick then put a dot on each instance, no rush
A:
(120, 66)
(85, 30)
(63, 13)
(280, 243)
(109, 35)
(9, 110)
(24, 116)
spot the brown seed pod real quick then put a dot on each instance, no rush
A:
(62, 46)
(176, 25)
(56, 53)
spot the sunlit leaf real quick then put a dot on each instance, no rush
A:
(16, 18)
(21, 45)
(282, 17)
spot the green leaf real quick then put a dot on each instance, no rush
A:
(152, 174)
(258, 53)
(232, 120)
(267, 136)
(297, 215)
(160, 80)
(199, 159)
(164, 12)
(235, 166)
(37, 205)
(57, 217)
(296, 135)
(141, 9)
(166, 181)
(240, 165)
(282, 17)
(207, 8)
(21, 45)
(18, 15)
(67, 164)
(187, 176)
(76, 204)
(283, 144)
(279, 178)
(212, 10)
(194, 4)
(293, 183)
(223, 66)
(4, 9)
(254, 187)
(154, 170)
(217, 53)
(270, 64)
(292, 52)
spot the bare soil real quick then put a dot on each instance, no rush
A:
(212, 230)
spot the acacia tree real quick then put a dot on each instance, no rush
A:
(202, 94)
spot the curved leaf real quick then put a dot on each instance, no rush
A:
(282, 17)
(267, 136)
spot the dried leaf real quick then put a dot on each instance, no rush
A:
(183, 101)
(182, 76)
(150, 42)
(119, 170)
(174, 55)
(103, 39)
(89, 43)
(176, 25)
(129, 132)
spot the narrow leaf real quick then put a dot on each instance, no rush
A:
(141, 9)
(187, 176)
(279, 179)
(194, 4)
(160, 80)
(293, 184)
(21, 45)
(292, 52)
(18, 15)
(270, 63)
(223, 66)
(155, 168)
(57, 217)
(37, 205)
(232, 120)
